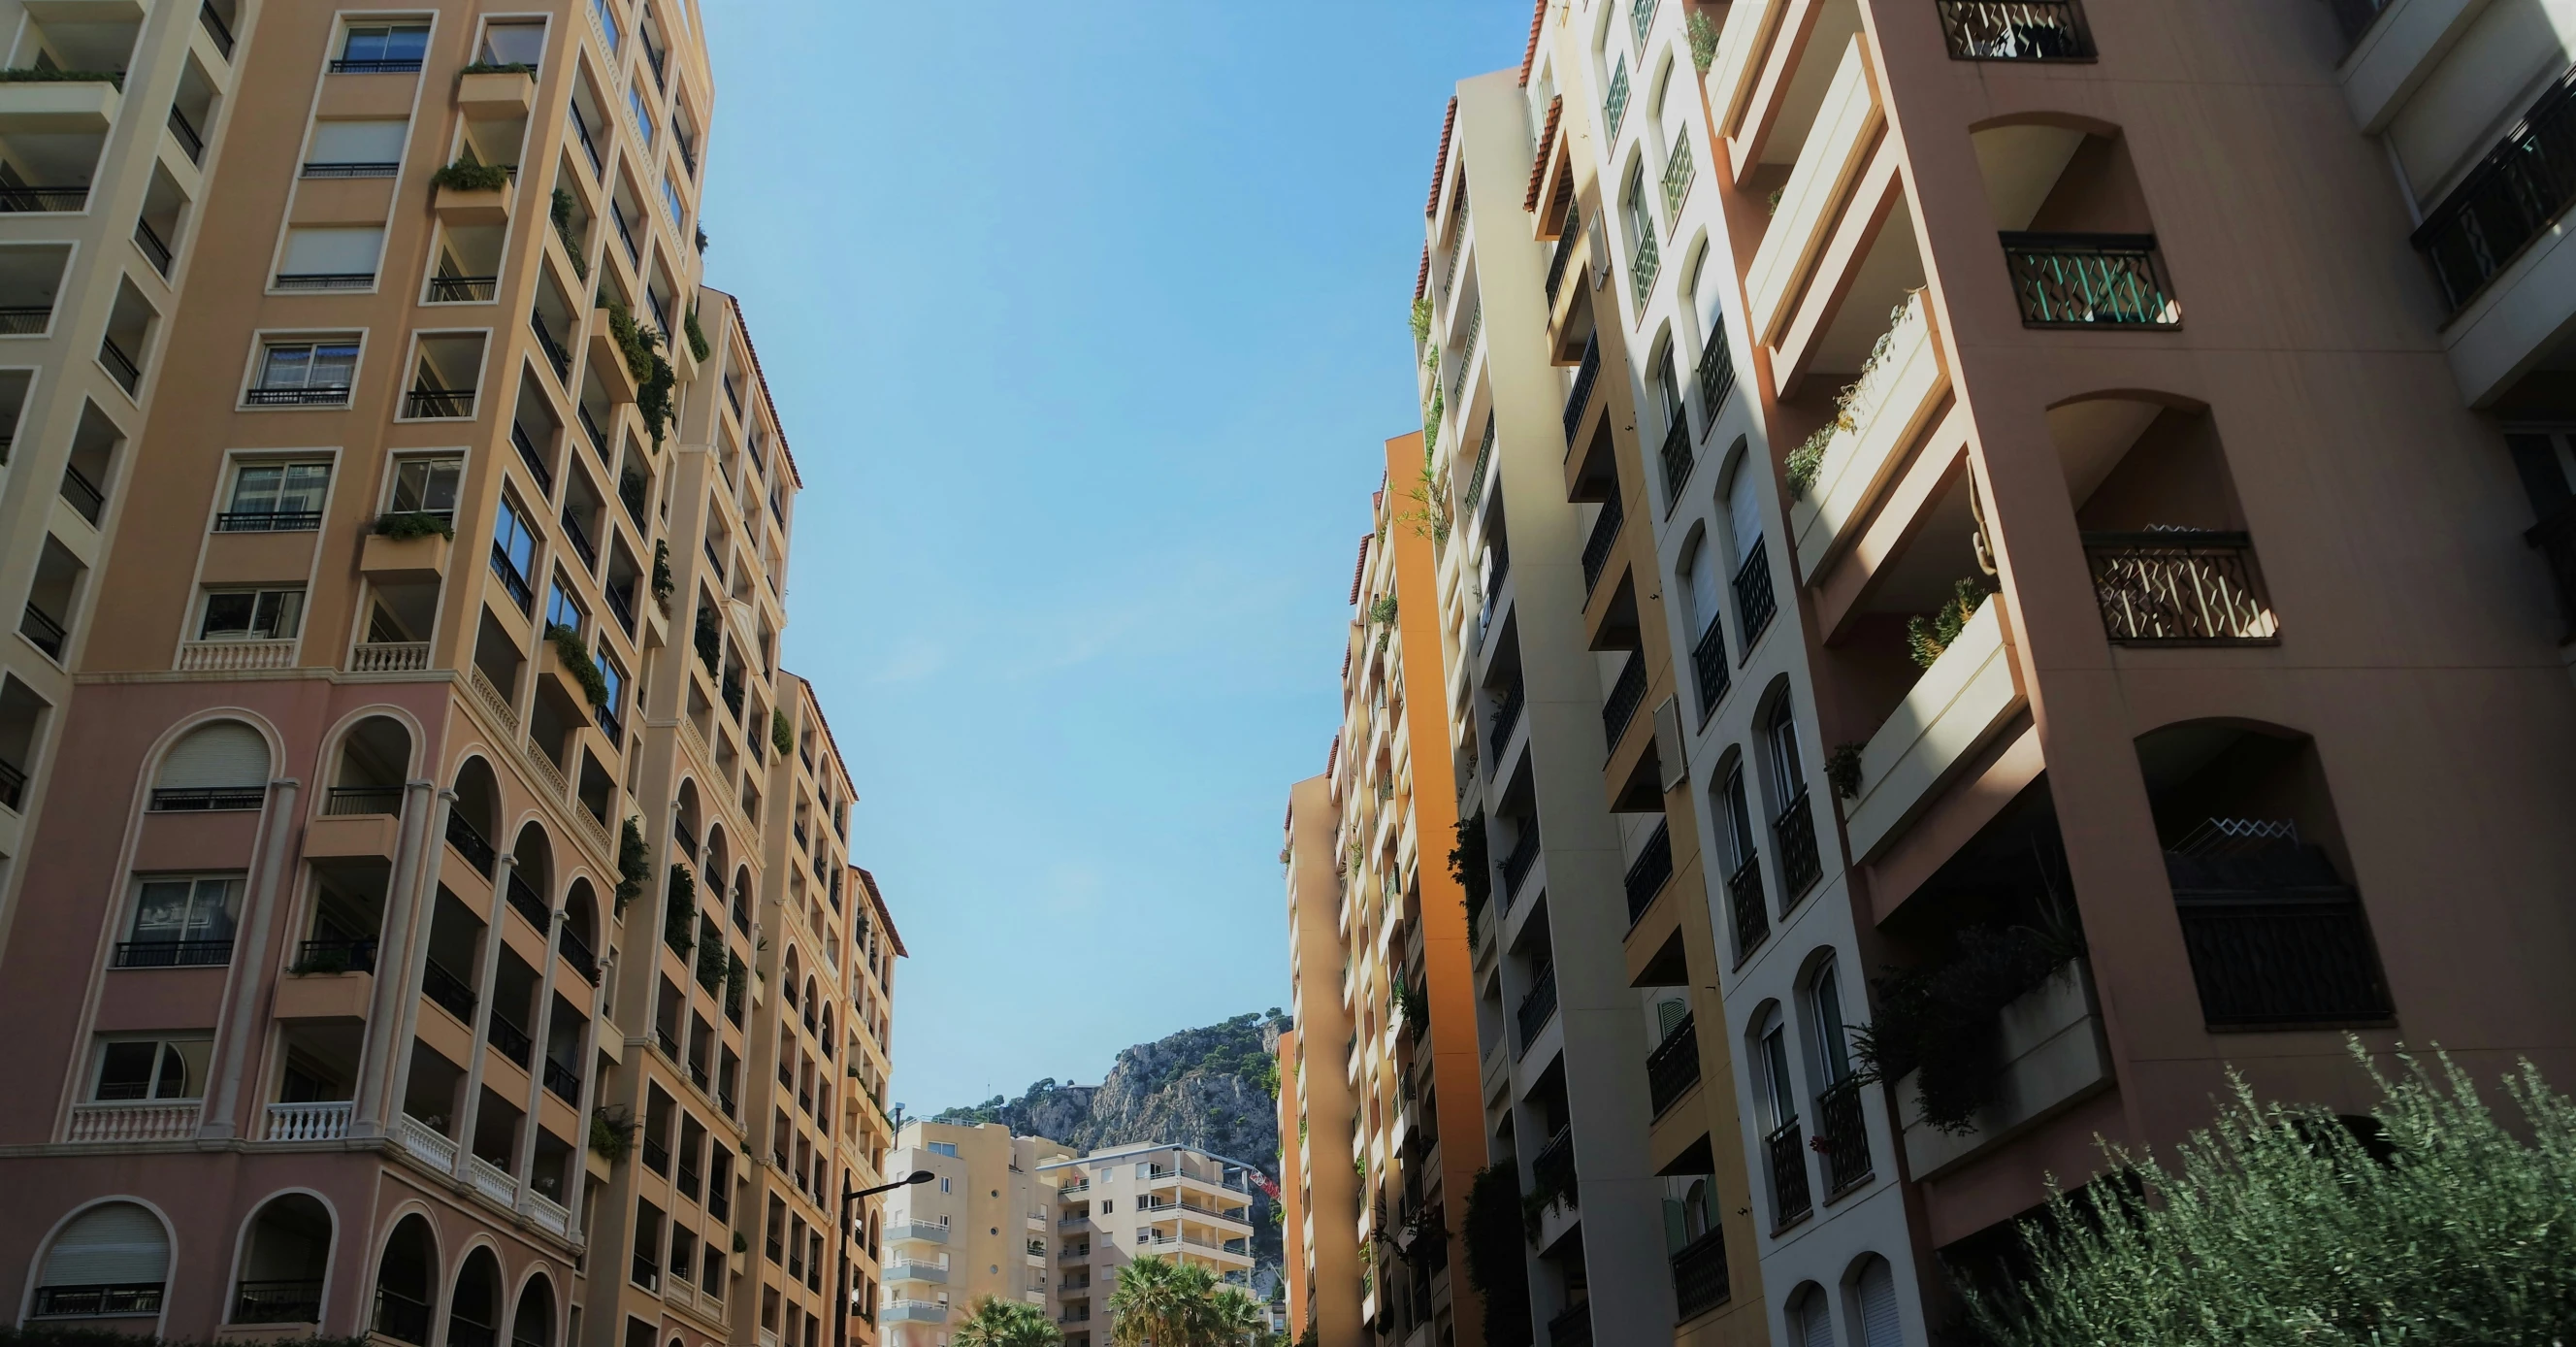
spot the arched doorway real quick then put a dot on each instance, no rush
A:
(285, 1260)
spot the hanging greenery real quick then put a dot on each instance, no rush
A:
(577, 662)
(781, 736)
(634, 863)
(663, 584)
(1842, 770)
(465, 175)
(612, 1133)
(561, 213)
(1490, 1229)
(1703, 42)
(1421, 321)
(1939, 1018)
(405, 525)
(698, 345)
(1467, 865)
(1927, 637)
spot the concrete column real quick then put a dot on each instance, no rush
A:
(580, 1177)
(250, 955)
(491, 973)
(540, 1026)
(392, 946)
(415, 955)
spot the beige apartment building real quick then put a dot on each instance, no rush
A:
(1177, 1203)
(1318, 1193)
(983, 1226)
(451, 924)
(109, 167)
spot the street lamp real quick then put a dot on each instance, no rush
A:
(841, 1317)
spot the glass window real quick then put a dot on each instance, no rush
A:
(614, 676)
(280, 488)
(308, 364)
(562, 610)
(1833, 1053)
(643, 116)
(1735, 819)
(427, 485)
(671, 203)
(153, 1069)
(169, 910)
(607, 22)
(386, 42)
(1781, 1095)
(251, 614)
(1782, 736)
(332, 252)
(515, 43)
(514, 541)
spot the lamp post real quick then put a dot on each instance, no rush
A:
(841, 1316)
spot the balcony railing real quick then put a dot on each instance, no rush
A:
(268, 521)
(13, 785)
(1788, 1156)
(311, 395)
(2512, 197)
(120, 366)
(397, 66)
(527, 447)
(1614, 104)
(217, 29)
(1646, 264)
(384, 168)
(1626, 695)
(2555, 538)
(1648, 874)
(1699, 1274)
(337, 954)
(2015, 30)
(402, 1318)
(173, 954)
(189, 140)
(470, 844)
(97, 1301)
(1794, 833)
(2275, 937)
(507, 571)
(562, 1083)
(1566, 242)
(1581, 397)
(1842, 1137)
(1677, 456)
(1605, 532)
(1538, 1005)
(463, 289)
(1673, 1067)
(1507, 717)
(1516, 865)
(580, 539)
(1708, 663)
(1678, 172)
(361, 801)
(44, 198)
(25, 320)
(556, 355)
(2180, 587)
(149, 240)
(2090, 280)
(510, 1039)
(1754, 602)
(525, 902)
(1744, 900)
(1572, 1327)
(40, 628)
(448, 991)
(326, 280)
(439, 402)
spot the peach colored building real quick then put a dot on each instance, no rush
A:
(1318, 1190)
(445, 923)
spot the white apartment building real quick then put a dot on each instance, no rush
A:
(978, 1228)
(1178, 1203)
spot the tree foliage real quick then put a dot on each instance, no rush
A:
(995, 1322)
(1161, 1303)
(2429, 1222)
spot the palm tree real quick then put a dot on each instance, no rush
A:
(995, 1322)
(1160, 1303)
(1233, 1318)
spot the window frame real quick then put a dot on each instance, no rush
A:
(167, 1046)
(207, 594)
(255, 373)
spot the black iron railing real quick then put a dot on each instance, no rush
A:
(1699, 1274)
(1581, 397)
(382, 67)
(44, 198)
(469, 843)
(1716, 373)
(1566, 243)
(174, 953)
(1788, 1156)
(1605, 533)
(556, 355)
(463, 289)
(337, 954)
(2015, 30)
(527, 447)
(268, 521)
(525, 902)
(25, 320)
(83, 493)
(577, 952)
(1648, 874)
(319, 395)
(402, 1318)
(439, 402)
(120, 366)
(2180, 587)
(1507, 717)
(326, 280)
(1708, 662)
(154, 250)
(13, 785)
(277, 1302)
(383, 169)
(1626, 695)
(1842, 1137)
(1517, 863)
(1572, 1327)
(507, 571)
(1673, 1067)
(631, 490)
(2090, 280)
(1794, 833)
(448, 991)
(2555, 539)
(562, 1083)
(97, 1301)
(2275, 937)
(510, 1039)
(346, 801)
(39, 627)
(2512, 197)
(1678, 458)
(1552, 1170)
(1538, 1004)
(686, 837)
(222, 33)
(206, 799)
(186, 131)
(1754, 603)
(1744, 900)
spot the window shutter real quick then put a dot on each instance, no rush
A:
(226, 753)
(1669, 750)
(367, 142)
(1879, 1326)
(332, 252)
(119, 1244)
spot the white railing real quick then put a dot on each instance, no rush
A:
(547, 1213)
(593, 829)
(492, 1181)
(546, 770)
(390, 657)
(492, 698)
(308, 1122)
(133, 1122)
(235, 656)
(426, 1142)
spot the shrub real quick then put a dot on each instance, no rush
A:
(1703, 42)
(1940, 1018)
(500, 68)
(1382, 611)
(1467, 865)
(577, 662)
(2432, 1221)
(1491, 1231)
(403, 525)
(634, 863)
(1808, 458)
(612, 1134)
(781, 737)
(663, 584)
(1421, 321)
(1927, 637)
(467, 176)
(698, 344)
(1842, 770)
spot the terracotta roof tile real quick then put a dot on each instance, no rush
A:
(1422, 274)
(1529, 56)
(1440, 161)
(1546, 145)
(1359, 568)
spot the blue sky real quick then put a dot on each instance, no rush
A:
(1086, 323)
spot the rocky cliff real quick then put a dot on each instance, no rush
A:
(1200, 1087)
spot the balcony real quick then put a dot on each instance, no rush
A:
(917, 1232)
(1572, 1327)
(1828, 165)
(915, 1312)
(1650, 872)
(1507, 717)
(133, 1121)
(2555, 539)
(2509, 200)
(1744, 902)
(2052, 1056)
(1895, 396)
(556, 355)
(1754, 602)
(1518, 862)
(1537, 1007)
(1842, 1137)
(1699, 1274)
(1581, 397)
(1708, 665)
(2090, 280)
(2180, 587)
(1673, 1067)
(1953, 710)
(1596, 546)
(97, 1301)
(470, 844)
(427, 403)
(2275, 937)
(1626, 695)
(1783, 1148)
(173, 954)
(307, 1122)
(277, 1302)
(1677, 457)
(43, 631)
(2015, 30)
(1794, 832)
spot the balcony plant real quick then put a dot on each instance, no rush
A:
(577, 662)
(323, 962)
(612, 1133)
(679, 896)
(698, 344)
(2432, 1220)
(1703, 42)
(663, 584)
(1842, 770)
(405, 525)
(561, 212)
(1497, 1268)
(39, 75)
(1468, 865)
(634, 863)
(499, 68)
(1927, 637)
(1939, 1018)
(781, 736)
(465, 175)
(1421, 321)
(712, 957)
(654, 377)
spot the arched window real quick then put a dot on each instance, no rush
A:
(1699, 575)
(1825, 1025)
(223, 765)
(1776, 1085)
(475, 1307)
(533, 1324)
(112, 1260)
(1874, 1295)
(1669, 1014)
(1811, 1323)
(1744, 512)
(403, 1282)
(285, 1256)
(1788, 779)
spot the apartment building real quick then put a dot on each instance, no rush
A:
(1399, 928)
(369, 1031)
(937, 1265)
(1177, 1203)
(868, 1066)
(110, 162)
(1318, 1194)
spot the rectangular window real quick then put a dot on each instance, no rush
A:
(518, 42)
(330, 259)
(562, 610)
(369, 148)
(382, 49)
(185, 910)
(643, 117)
(275, 498)
(305, 374)
(514, 554)
(671, 204)
(426, 486)
(607, 23)
(947, 1148)
(153, 1069)
(251, 615)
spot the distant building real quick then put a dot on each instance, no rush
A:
(978, 1229)
(1116, 1205)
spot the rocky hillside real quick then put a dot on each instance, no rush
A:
(1200, 1087)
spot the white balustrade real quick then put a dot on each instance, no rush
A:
(134, 1122)
(425, 1142)
(235, 656)
(327, 1121)
(390, 657)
